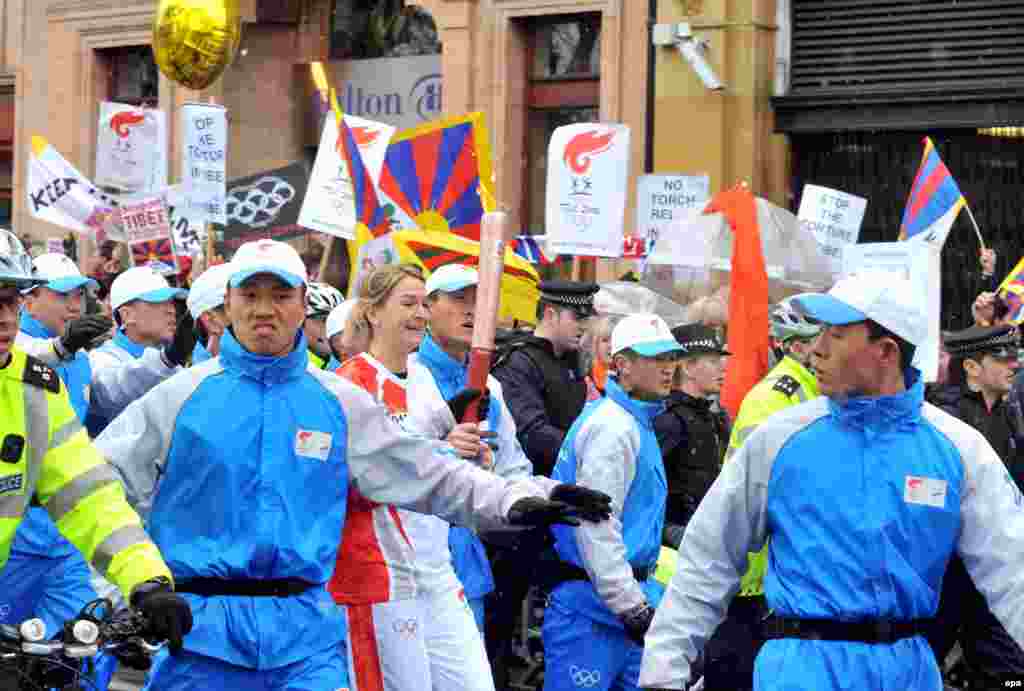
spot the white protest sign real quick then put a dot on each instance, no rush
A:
(834, 218)
(147, 229)
(187, 227)
(204, 144)
(662, 200)
(131, 148)
(920, 263)
(59, 194)
(588, 175)
(330, 202)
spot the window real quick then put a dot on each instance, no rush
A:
(134, 78)
(364, 29)
(564, 68)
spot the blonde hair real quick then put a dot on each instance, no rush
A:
(598, 328)
(375, 290)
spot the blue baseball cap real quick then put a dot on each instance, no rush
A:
(645, 334)
(268, 257)
(451, 278)
(61, 273)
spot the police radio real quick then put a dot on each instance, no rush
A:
(12, 447)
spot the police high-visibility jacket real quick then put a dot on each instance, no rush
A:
(58, 466)
(788, 384)
(864, 500)
(241, 467)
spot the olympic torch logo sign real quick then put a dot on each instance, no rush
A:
(582, 148)
(124, 121)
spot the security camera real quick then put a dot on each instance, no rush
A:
(693, 52)
(691, 48)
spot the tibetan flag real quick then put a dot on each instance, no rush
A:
(1011, 290)
(431, 250)
(438, 175)
(934, 201)
(528, 247)
(748, 297)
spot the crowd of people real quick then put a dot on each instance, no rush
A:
(301, 491)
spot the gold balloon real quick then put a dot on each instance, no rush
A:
(195, 40)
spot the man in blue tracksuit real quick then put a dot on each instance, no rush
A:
(241, 467)
(865, 493)
(205, 303)
(596, 618)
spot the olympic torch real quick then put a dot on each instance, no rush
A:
(494, 233)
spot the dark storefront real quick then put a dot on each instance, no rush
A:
(871, 78)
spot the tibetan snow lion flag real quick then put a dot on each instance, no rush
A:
(935, 200)
(1011, 290)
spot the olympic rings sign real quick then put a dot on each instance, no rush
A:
(584, 678)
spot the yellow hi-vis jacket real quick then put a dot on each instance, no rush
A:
(788, 384)
(46, 455)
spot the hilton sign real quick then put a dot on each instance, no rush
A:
(403, 92)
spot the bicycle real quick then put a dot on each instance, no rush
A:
(29, 661)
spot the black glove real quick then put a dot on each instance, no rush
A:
(460, 402)
(590, 504)
(672, 535)
(541, 512)
(637, 621)
(169, 616)
(184, 342)
(81, 332)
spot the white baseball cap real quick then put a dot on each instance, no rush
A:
(142, 283)
(268, 257)
(645, 334)
(452, 277)
(207, 291)
(884, 297)
(338, 317)
(61, 273)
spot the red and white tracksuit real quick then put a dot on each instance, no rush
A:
(409, 625)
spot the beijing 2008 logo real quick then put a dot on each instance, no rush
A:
(581, 149)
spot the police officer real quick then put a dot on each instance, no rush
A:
(692, 435)
(46, 456)
(981, 371)
(540, 374)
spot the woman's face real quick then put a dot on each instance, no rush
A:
(603, 346)
(402, 319)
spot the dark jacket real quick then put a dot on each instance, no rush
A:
(693, 438)
(545, 395)
(963, 615)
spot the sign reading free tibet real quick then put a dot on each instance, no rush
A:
(401, 92)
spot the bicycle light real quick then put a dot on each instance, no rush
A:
(32, 630)
(85, 632)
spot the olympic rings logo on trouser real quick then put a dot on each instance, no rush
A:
(584, 678)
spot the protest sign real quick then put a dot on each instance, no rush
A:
(834, 218)
(920, 263)
(204, 159)
(588, 174)
(188, 231)
(59, 194)
(147, 229)
(265, 205)
(663, 200)
(131, 148)
(329, 205)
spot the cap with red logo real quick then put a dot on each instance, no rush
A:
(267, 257)
(645, 334)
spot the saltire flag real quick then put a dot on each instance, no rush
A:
(1011, 290)
(432, 250)
(935, 200)
(59, 194)
(439, 175)
(748, 297)
(529, 248)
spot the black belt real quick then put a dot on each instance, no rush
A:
(873, 631)
(570, 572)
(213, 587)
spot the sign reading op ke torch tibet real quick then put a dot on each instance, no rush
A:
(204, 159)
(131, 148)
(588, 174)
